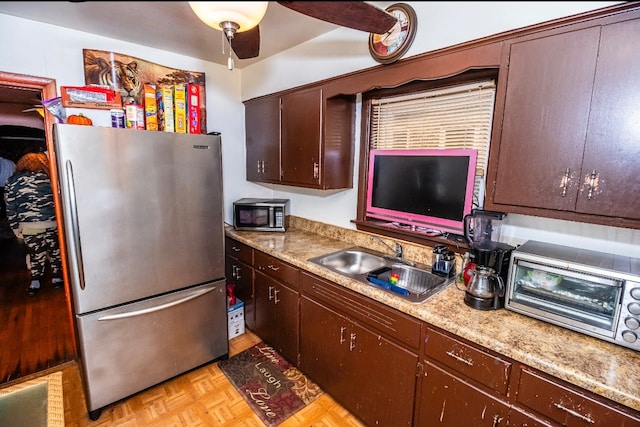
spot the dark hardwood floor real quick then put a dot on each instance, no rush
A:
(35, 332)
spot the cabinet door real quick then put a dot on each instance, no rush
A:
(262, 127)
(612, 151)
(301, 137)
(322, 335)
(545, 118)
(447, 400)
(384, 378)
(241, 275)
(276, 315)
(369, 375)
(239, 271)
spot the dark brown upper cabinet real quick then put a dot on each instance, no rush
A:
(302, 139)
(262, 124)
(567, 138)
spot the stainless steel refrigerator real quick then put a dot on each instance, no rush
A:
(143, 222)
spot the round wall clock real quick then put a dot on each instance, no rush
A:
(390, 46)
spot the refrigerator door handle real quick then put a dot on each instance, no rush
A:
(159, 307)
(75, 227)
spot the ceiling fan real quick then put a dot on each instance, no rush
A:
(239, 20)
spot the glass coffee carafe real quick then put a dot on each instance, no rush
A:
(485, 290)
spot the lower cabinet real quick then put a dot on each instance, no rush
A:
(447, 400)
(276, 304)
(566, 405)
(461, 384)
(368, 373)
(277, 316)
(464, 384)
(239, 272)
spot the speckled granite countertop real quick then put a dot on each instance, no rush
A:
(603, 368)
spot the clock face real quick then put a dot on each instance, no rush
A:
(390, 46)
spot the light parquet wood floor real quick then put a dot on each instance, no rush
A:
(202, 397)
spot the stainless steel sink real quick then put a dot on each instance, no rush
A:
(412, 283)
(373, 268)
(351, 261)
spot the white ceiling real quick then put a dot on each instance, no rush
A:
(171, 26)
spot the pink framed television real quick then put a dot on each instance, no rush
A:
(430, 189)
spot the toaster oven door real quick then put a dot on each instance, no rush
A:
(579, 301)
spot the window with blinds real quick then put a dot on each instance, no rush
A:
(452, 118)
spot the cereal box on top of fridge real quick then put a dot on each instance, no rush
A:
(164, 99)
(150, 107)
(194, 108)
(180, 107)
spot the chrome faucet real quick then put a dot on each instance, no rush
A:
(397, 250)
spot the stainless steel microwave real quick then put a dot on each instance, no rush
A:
(261, 214)
(591, 292)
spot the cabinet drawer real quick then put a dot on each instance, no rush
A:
(365, 311)
(489, 370)
(277, 269)
(239, 250)
(566, 405)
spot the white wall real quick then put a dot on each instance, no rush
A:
(440, 24)
(48, 51)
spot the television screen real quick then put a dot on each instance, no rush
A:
(424, 188)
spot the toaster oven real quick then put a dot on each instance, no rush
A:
(591, 292)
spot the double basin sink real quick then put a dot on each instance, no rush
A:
(389, 274)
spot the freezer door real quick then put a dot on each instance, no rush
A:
(142, 212)
(130, 348)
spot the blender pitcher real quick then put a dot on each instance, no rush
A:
(482, 228)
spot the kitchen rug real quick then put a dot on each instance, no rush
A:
(272, 387)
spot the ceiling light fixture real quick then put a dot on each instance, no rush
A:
(230, 16)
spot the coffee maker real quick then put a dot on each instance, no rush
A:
(482, 231)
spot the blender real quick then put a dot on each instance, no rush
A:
(482, 231)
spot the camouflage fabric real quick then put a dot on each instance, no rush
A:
(29, 198)
(43, 247)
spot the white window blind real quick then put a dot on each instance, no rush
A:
(455, 117)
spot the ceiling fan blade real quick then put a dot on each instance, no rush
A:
(247, 43)
(358, 15)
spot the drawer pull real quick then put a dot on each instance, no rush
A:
(593, 183)
(275, 296)
(274, 268)
(565, 182)
(352, 343)
(459, 358)
(497, 419)
(342, 329)
(270, 293)
(233, 248)
(574, 413)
